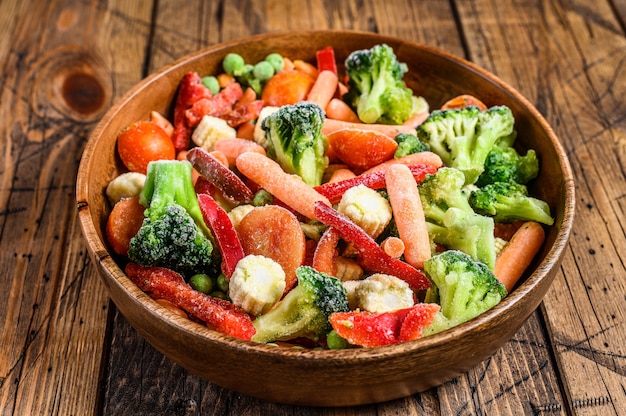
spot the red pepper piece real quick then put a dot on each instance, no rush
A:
(244, 113)
(190, 91)
(326, 59)
(224, 232)
(374, 180)
(162, 283)
(371, 256)
(378, 329)
(203, 186)
(219, 175)
(216, 106)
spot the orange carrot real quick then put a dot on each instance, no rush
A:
(232, 147)
(416, 119)
(246, 98)
(331, 125)
(393, 246)
(172, 307)
(123, 223)
(326, 252)
(158, 119)
(323, 89)
(305, 68)
(225, 80)
(517, 255)
(421, 158)
(341, 174)
(408, 214)
(361, 149)
(341, 90)
(246, 131)
(220, 156)
(290, 189)
(337, 109)
(286, 87)
(287, 64)
(462, 101)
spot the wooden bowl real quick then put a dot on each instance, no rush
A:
(330, 377)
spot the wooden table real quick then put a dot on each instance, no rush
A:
(66, 351)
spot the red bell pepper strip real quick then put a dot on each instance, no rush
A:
(369, 329)
(374, 180)
(219, 175)
(190, 91)
(326, 59)
(224, 232)
(371, 256)
(162, 283)
(244, 113)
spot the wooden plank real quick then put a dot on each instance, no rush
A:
(583, 101)
(53, 311)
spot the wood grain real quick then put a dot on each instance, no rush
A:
(64, 62)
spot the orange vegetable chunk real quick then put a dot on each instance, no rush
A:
(362, 149)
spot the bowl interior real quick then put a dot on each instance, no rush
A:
(435, 75)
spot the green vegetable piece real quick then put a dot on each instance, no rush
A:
(263, 71)
(305, 310)
(295, 140)
(276, 60)
(222, 283)
(202, 283)
(220, 295)
(505, 164)
(212, 84)
(262, 197)
(408, 144)
(336, 341)
(233, 64)
(462, 287)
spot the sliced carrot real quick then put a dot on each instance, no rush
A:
(462, 101)
(326, 252)
(421, 158)
(246, 131)
(362, 149)
(416, 119)
(323, 89)
(337, 109)
(248, 96)
(331, 125)
(517, 255)
(123, 223)
(225, 80)
(341, 174)
(274, 232)
(158, 119)
(287, 87)
(232, 147)
(290, 189)
(305, 68)
(408, 214)
(393, 246)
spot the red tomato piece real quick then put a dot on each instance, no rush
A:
(143, 142)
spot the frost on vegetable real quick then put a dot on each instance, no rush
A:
(210, 130)
(126, 185)
(256, 284)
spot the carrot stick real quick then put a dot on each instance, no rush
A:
(331, 126)
(517, 255)
(158, 119)
(416, 119)
(462, 101)
(326, 252)
(393, 246)
(232, 147)
(408, 214)
(323, 88)
(421, 158)
(341, 174)
(337, 109)
(305, 67)
(290, 189)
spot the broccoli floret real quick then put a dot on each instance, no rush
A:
(463, 137)
(462, 287)
(408, 144)
(450, 219)
(505, 164)
(173, 233)
(304, 311)
(509, 201)
(295, 140)
(376, 89)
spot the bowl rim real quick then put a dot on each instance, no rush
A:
(108, 265)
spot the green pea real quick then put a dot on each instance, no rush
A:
(263, 71)
(222, 283)
(212, 84)
(233, 63)
(276, 60)
(262, 197)
(202, 283)
(336, 341)
(219, 294)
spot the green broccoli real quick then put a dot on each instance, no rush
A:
(505, 164)
(463, 137)
(305, 310)
(509, 201)
(173, 233)
(450, 219)
(462, 287)
(295, 140)
(376, 89)
(408, 144)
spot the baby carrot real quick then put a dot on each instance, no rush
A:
(331, 126)
(323, 88)
(341, 174)
(234, 146)
(517, 255)
(463, 100)
(290, 189)
(246, 131)
(408, 214)
(337, 109)
(416, 119)
(326, 252)
(393, 246)
(305, 68)
(421, 158)
(158, 119)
